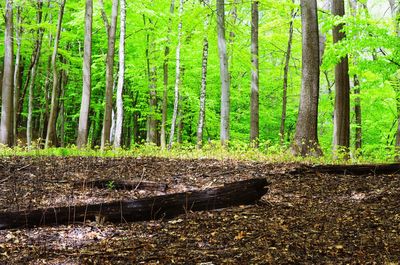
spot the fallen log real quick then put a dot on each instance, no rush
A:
(164, 206)
(378, 169)
(122, 185)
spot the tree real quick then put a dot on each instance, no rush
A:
(341, 120)
(51, 136)
(202, 110)
(6, 125)
(121, 76)
(177, 77)
(111, 30)
(33, 71)
(254, 112)
(83, 127)
(17, 72)
(306, 139)
(224, 73)
(164, 110)
(285, 77)
(356, 85)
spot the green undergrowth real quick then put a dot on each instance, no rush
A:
(212, 150)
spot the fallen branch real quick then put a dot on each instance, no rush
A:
(380, 169)
(165, 206)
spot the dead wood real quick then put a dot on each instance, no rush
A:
(164, 206)
(379, 169)
(122, 185)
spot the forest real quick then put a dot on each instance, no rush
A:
(199, 72)
(200, 132)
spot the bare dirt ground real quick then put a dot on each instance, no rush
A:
(306, 218)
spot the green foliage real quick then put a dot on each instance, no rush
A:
(371, 44)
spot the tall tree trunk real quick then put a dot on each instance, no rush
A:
(306, 137)
(17, 74)
(357, 99)
(285, 77)
(32, 73)
(203, 89)
(254, 109)
(51, 136)
(163, 137)
(224, 74)
(111, 30)
(151, 122)
(121, 77)
(63, 82)
(87, 80)
(6, 125)
(341, 124)
(177, 77)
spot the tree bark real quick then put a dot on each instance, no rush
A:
(254, 102)
(341, 124)
(121, 77)
(6, 125)
(306, 138)
(224, 73)
(51, 137)
(111, 30)
(203, 89)
(83, 127)
(163, 133)
(285, 77)
(177, 77)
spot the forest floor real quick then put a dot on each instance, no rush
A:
(307, 217)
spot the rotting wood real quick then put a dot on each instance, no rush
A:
(122, 185)
(158, 207)
(379, 169)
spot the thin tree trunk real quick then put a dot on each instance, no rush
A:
(357, 112)
(285, 77)
(121, 76)
(163, 137)
(341, 124)
(6, 125)
(32, 73)
(87, 81)
(17, 74)
(203, 89)
(111, 30)
(224, 74)
(177, 77)
(254, 109)
(151, 122)
(63, 81)
(306, 137)
(51, 137)
(357, 99)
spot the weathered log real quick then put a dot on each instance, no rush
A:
(164, 206)
(379, 169)
(122, 185)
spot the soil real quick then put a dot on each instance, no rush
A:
(307, 217)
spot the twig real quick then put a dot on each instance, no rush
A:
(5, 179)
(141, 179)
